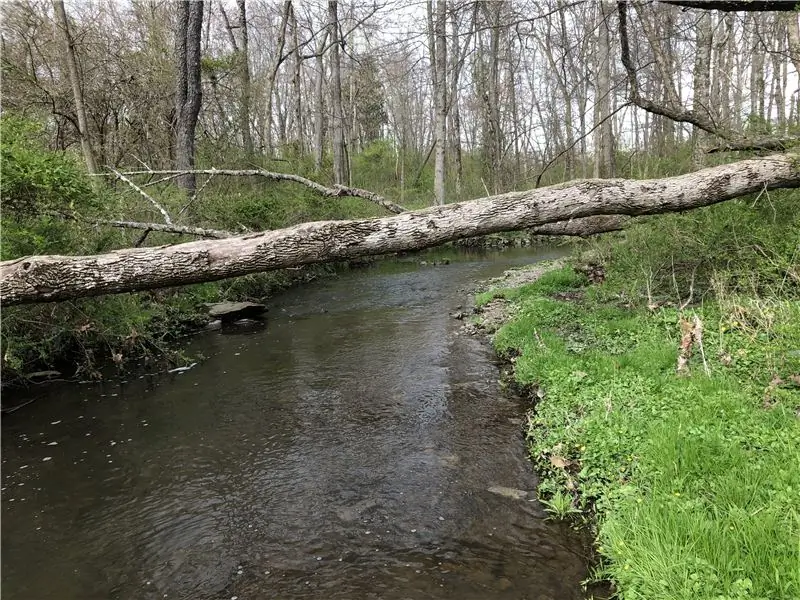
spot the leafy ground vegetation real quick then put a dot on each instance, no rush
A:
(692, 476)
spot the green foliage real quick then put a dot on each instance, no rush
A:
(560, 505)
(748, 245)
(40, 188)
(36, 185)
(693, 478)
(35, 179)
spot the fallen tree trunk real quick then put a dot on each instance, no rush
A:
(49, 278)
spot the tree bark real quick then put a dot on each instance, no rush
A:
(319, 106)
(51, 278)
(188, 96)
(604, 136)
(341, 173)
(242, 55)
(244, 65)
(702, 73)
(77, 92)
(735, 5)
(269, 144)
(439, 70)
(297, 95)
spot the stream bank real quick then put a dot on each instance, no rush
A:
(683, 472)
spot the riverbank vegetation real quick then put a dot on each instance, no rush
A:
(668, 399)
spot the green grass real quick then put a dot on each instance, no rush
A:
(694, 480)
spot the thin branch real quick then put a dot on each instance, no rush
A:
(196, 194)
(166, 228)
(149, 198)
(736, 5)
(576, 142)
(336, 191)
(772, 144)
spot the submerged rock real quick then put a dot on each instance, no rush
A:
(508, 492)
(214, 325)
(233, 311)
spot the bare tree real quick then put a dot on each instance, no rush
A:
(341, 171)
(604, 137)
(77, 92)
(319, 104)
(242, 59)
(188, 95)
(438, 51)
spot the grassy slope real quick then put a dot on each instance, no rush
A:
(695, 480)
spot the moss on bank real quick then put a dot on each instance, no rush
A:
(693, 479)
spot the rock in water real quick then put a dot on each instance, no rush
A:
(508, 492)
(233, 311)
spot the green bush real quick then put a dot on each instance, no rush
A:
(37, 186)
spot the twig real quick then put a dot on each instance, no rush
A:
(697, 334)
(166, 228)
(691, 288)
(17, 407)
(196, 194)
(161, 180)
(485, 188)
(142, 238)
(160, 208)
(335, 191)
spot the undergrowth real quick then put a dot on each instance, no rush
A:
(692, 478)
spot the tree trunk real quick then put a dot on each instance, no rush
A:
(319, 108)
(702, 72)
(77, 92)
(341, 171)
(50, 278)
(604, 137)
(757, 78)
(793, 35)
(244, 65)
(242, 57)
(439, 72)
(188, 96)
(297, 99)
(269, 143)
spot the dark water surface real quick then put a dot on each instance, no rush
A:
(344, 451)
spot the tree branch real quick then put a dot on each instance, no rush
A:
(771, 144)
(735, 141)
(181, 229)
(336, 191)
(680, 115)
(149, 198)
(736, 5)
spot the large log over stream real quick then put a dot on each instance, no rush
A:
(49, 278)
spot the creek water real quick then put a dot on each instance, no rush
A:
(345, 450)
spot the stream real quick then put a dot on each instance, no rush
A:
(343, 451)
